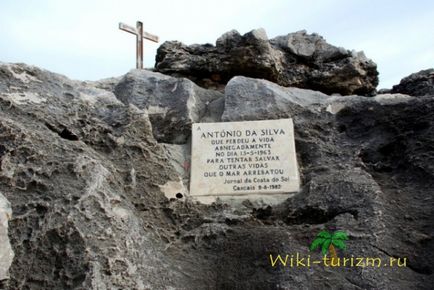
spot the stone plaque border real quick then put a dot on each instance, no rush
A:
(287, 157)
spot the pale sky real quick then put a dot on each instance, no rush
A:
(81, 39)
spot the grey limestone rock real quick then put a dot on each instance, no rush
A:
(173, 104)
(298, 59)
(84, 177)
(260, 99)
(366, 166)
(93, 193)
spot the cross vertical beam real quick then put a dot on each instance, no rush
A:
(139, 44)
(140, 34)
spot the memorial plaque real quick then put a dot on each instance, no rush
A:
(242, 158)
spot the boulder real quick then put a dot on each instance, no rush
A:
(173, 104)
(6, 253)
(255, 99)
(298, 59)
(416, 84)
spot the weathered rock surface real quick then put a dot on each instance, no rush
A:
(6, 253)
(173, 104)
(297, 59)
(83, 173)
(417, 84)
(366, 166)
(87, 182)
(256, 99)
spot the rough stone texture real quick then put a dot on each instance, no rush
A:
(256, 99)
(367, 168)
(417, 84)
(297, 59)
(179, 156)
(6, 253)
(173, 104)
(108, 84)
(84, 176)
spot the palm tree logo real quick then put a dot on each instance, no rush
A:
(328, 242)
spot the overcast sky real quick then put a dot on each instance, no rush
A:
(81, 39)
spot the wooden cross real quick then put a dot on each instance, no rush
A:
(140, 34)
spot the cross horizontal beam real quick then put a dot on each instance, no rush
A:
(133, 30)
(140, 34)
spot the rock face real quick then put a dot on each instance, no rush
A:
(93, 192)
(6, 253)
(297, 59)
(172, 104)
(417, 84)
(82, 171)
(260, 99)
